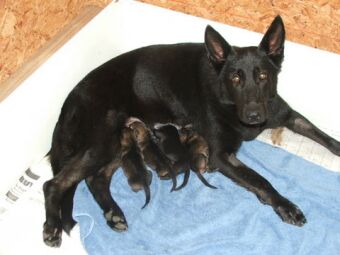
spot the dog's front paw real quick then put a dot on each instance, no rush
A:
(290, 213)
(52, 235)
(116, 221)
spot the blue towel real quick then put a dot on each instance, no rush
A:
(230, 220)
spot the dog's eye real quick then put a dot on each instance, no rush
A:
(263, 76)
(236, 79)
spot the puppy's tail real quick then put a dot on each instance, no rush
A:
(204, 181)
(147, 195)
(185, 179)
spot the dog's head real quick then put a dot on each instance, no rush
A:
(248, 76)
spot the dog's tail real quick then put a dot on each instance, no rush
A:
(67, 220)
(67, 204)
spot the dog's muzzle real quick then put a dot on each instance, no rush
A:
(254, 113)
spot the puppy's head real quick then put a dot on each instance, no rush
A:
(139, 130)
(186, 133)
(166, 133)
(248, 75)
(169, 141)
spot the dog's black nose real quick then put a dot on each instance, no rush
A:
(254, 117)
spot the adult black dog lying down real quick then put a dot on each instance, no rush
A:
(227, 93)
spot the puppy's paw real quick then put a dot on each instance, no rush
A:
(163, 172)
(138, 182)
(163, 167)
(164, 175)
(116, 221)
(52, 235)
(199, 163)
(290, 213)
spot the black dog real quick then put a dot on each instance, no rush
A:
(228, 94)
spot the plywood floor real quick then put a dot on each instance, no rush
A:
(26, 25)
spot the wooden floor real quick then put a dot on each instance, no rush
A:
(26, 25)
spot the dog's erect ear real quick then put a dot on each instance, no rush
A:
(273, 41)
(217, 48)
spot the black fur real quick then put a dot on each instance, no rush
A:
(227, 93)
(182, 154)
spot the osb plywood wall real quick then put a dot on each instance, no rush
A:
(312, 22)
(25, 25)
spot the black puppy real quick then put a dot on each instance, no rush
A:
(228, 93)
(186, 150)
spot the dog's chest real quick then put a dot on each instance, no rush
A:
(250, 133)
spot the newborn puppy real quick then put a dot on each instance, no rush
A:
(151, 152)
(197, 148)
(169, 142)
(133, 164)
(185, 148)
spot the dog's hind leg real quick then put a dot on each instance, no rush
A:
(79, 167)
(99, 185)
